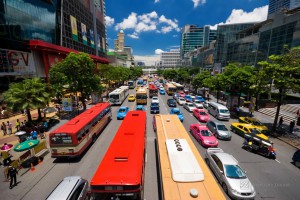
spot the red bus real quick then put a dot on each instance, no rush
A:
(120, 174)
(72, 138)
(152, 90)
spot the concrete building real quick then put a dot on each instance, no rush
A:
(170, 59)
(278, 5)
(119, 43)
(35, 36)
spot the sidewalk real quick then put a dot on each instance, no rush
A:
(291, 139)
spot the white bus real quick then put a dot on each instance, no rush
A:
(117, 96)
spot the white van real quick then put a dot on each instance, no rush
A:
(219, 111)
(71, 187)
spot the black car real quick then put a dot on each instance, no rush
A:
(296, 158)
(171, 103)
(154, 108)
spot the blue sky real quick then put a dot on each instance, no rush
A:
(153, 26)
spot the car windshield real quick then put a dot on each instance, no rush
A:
(254, 131)
(257, 123)
(122, 110)
(154, 104)
(197, 101)
(181, 99)
(171, 101)
(224, 111)
(177, 112)
(202, 113)
(234, 171)
(191, 105)
(154, 98)
(206, 133)
(222, 128)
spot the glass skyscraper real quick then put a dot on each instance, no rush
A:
(278, 5)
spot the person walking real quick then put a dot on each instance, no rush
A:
(18, 124)
(12, 174)
(292, 125)
(3, 128)
(280, 122)
(9, 127)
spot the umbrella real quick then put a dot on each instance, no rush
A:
(6, 147)
(20, 133)
(28, 144)
(50, 110)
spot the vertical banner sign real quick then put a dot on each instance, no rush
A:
(67, 104)
(98, 42)
(74, 28)
(92, 38)
(83, 30)
(103, 44)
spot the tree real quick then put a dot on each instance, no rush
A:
(285, 71)
(78, 71)
(29, 94)
(216, 83)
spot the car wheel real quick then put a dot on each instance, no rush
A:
(224, 186)
(297, 164)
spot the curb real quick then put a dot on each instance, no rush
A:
(283, 140)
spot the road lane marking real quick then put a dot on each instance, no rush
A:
(277, 160)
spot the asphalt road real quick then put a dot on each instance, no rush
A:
(272, 179)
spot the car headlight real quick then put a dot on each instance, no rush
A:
(235, 192)
(206, 141)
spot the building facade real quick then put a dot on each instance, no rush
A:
(170, 59)
(37, 34)
(278, 5)
(119, 43)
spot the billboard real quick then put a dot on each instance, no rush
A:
(92, 38)
(83, 31)
(74, 28)
(67, 104)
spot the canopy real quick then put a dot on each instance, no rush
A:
(20, 133)
(6, 147)
(28, 144)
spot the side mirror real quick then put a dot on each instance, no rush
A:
(221, 172)
(215, 128)
(245, 172)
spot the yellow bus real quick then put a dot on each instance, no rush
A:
(141, 95)
(178, 86)
(170, 88)
(183, 174)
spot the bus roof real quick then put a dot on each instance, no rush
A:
(116, 91)
(78, 122)
(141, 90)
(123, 161)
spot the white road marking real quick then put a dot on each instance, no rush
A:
(277, 160)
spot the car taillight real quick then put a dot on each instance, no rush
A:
(54, 150)
(71, 150)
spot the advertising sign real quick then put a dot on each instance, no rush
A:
(74, 28)
(98, 41)
(67, 104)
(83, 31)
(92, 38)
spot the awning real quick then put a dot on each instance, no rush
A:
(234, 94)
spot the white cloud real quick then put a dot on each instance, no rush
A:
(109, 21)
(133, 36)
(156, 1)
(146, 18)
(198, 2)
(171, 23)
(143, 27)
(150, 60)
(240, 16)
(158, 51)
(128, 23)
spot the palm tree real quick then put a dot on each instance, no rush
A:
(29, 94)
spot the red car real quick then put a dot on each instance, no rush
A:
(203, 135)
(181, 94)
(201, 115)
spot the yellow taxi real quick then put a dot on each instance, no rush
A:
(242, 129)
(131, 97)
(255, 122)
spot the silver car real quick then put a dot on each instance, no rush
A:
(231, 176)
(219, 130)
(189, 106)
(198, 104)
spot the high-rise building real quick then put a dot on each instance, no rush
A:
(193, 37)
(278, 5)
(119, 43)
(37, 34)
(170, 59)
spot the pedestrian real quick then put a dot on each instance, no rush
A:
(280, 122)
(22, 126)
(18, 124)
(3, 128)
(9, 127)
(34, 134)
(292, 124)
(12, 174)
(237, 111)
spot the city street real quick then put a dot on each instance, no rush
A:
(273, 179)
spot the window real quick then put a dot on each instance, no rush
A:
(77, 192)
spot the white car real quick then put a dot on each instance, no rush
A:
(189, 106)
(198, 104)
(155, 100)
(230, 175)
(181, 101)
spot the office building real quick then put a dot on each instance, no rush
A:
(119, 43)
(38, 34)
(278, 5)
(170, 59)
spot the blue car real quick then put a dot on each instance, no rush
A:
(140, 107)
(188, 98)
(296, 158)
(162, 92)
(200, 98)
(121, 114)
(176, 111)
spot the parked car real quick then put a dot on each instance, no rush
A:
(131, 97)
(154, 107)
(140, 107)
(219, 130)
(201, 115)
(200, 98)
(162, 91)
(230, 175)
(171, 103)
(203, 135)
(242, 129)
(189, 106)
(296, 158)
(176, 111)
(122, 112)
(198, 104)
(181, 101)
(155, 99)
(182, 94)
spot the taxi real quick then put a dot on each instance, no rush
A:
(242, 129)
(131, 97)
(255, 122)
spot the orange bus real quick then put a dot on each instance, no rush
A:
(120, 174)
(72, 138)
(152, 90)
(183, 174)
(170, 88)
(141, 95)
